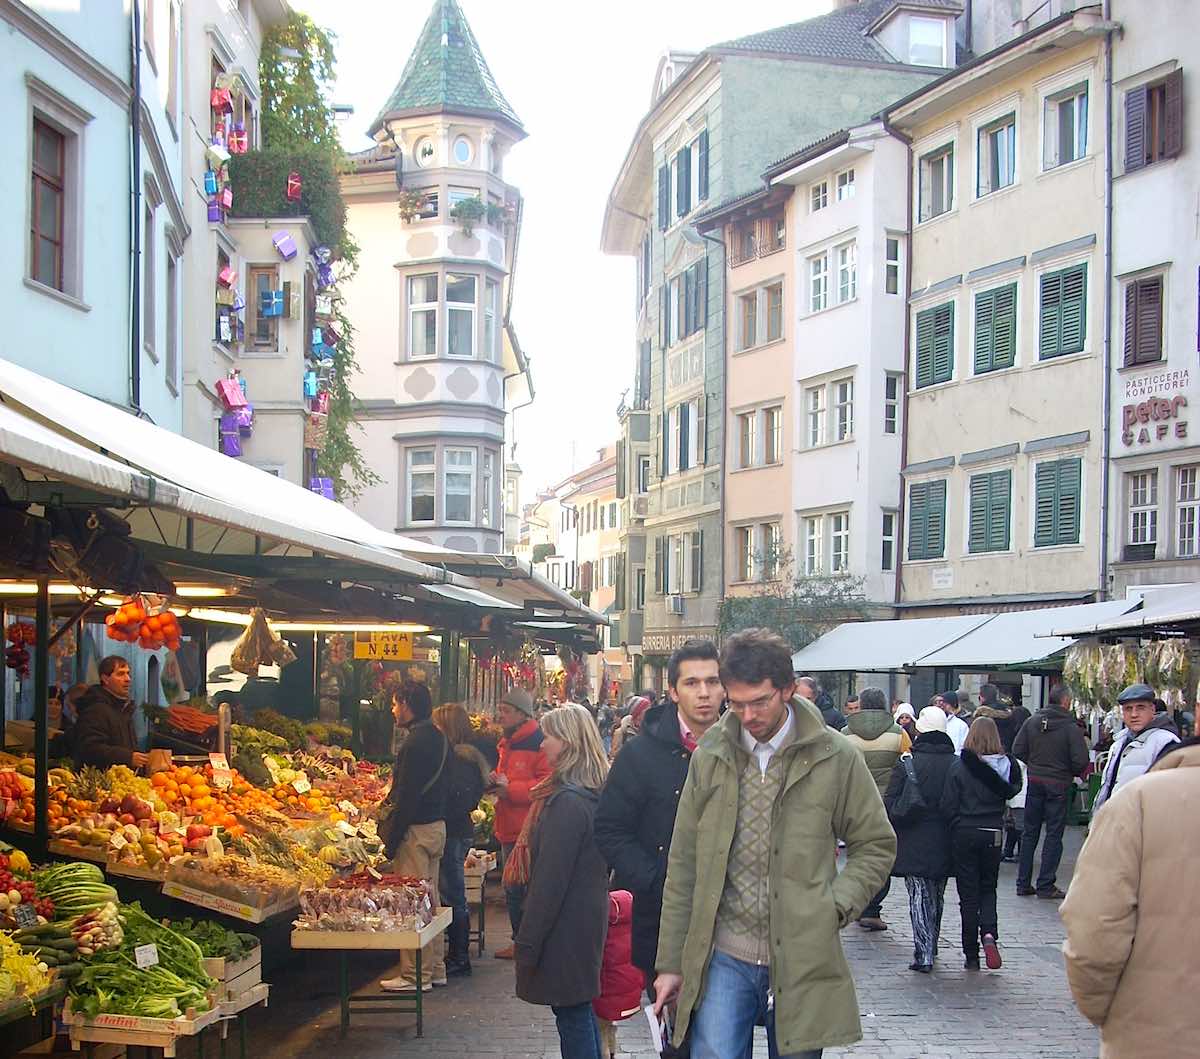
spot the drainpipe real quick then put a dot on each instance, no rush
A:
(135, 225)
(721, 405)
(1106, 403)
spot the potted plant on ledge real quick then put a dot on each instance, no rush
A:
(411, 205)
(468, 213)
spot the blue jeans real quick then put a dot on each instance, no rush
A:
(735, 999)
(514, 896)
(1043, 804)
(578, 1034)
(452, 887)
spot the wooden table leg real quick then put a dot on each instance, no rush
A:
(344, 984)
(242, 1034)
(420, 1023)
(482, 912)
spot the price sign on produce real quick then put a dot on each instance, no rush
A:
(168, 823)
(25, 916)
(302, 785)
(384, 646)
(349, 808)
(218, 761)
(222, 779)
(146, 955)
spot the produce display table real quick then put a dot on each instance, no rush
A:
(226, 906)
(18, 1007)
(346, 941)
(132, 1031)
(236, 1009)
(475, 879)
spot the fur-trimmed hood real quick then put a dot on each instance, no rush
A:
(999, 712)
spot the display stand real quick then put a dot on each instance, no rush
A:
(408, 1002)
(227, 907)
(133, 1031)
(475, 880)
(235, 1010)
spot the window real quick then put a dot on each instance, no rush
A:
(462, 150)
(818, 196)
(814, 406)
(263, 330)
(491, 314)
(887, 557)
(1065, 126)
(839, 543)
(927, 520)
(774, 234)
(1187, 507)
(774, 309)
(455, 195)
(425, 152)
(172, 350)
(643, 474)
(1143, 507)
(684, 304)
(744, 547)
(460, 485)
(937, 183)
(672, 440)
(772, 546)
(612, 515)
(935, 345)
(843, 409)
(422, 315)
(760, 316)
(996, 155)
(429, 203)
(772, 434)
(745, 243)
(845, 185)
(693, 427)
(173, 62)
(847, 264)
(926, 41)
(639, 588)
(460, 315)
(487, 485)
(1154, 121)
(813, 545)
(891, 403)
(1056, 502)
(421, 476)
(243, 111)
(747, 320)
(990, 510)
(1143, 320)
(48, 188)
(149, 293)
(1062, 320)
(995, 329)
(891, 266)
(679, 561)
(818, 282)
(747, 425)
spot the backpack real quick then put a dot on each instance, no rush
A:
(464, 786)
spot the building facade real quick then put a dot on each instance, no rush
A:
(437, 228)
(1154, 428)
(1004, 380)
(715, 123)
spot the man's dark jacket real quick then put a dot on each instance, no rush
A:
(636, 816)
(417, 797)
(1052, 747)
(104, 733)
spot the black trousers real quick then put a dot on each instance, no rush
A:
(976, 853)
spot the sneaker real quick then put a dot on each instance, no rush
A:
(971, 963)
(991, 952)
(403, 985)
(872, 923)
(1025, 891)
(440, 981)
(1053, 894)
(504, 954)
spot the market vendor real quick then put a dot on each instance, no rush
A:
(104, 732)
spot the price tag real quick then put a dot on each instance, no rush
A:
(347, 807)
(25, 916)
(213, 847)
(222, 778)
(146, 955)
(347, 829)
(118, 841)
(302, 785)
(168, 823)
(218, 761)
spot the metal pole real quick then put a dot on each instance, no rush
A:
(3, 682)
(41, 689)
(446, 659)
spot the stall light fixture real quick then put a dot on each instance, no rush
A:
(29, 588)
(202, 591)
(232, 617)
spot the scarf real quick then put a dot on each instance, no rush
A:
(518, 866)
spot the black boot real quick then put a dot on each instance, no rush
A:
(458, 956)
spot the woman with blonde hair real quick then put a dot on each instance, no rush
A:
(467, 777)
(560, 943)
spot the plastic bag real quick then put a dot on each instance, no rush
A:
(260, 646)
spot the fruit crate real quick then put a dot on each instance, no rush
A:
(235, 977)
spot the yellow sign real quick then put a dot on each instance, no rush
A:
(384, 646)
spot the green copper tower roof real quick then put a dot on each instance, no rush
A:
(446, 72)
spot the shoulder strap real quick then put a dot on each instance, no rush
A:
(441, 765)
(909, 768)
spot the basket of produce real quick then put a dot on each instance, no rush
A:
(367, 901)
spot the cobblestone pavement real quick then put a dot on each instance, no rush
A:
(1024, 1010)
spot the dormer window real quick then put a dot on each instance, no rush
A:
(927, 41)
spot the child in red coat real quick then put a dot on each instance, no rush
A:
(620, 982)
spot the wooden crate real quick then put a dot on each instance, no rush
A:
(395, 940)
(132, 1030)
(235, 977)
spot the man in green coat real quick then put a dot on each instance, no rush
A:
(753, 900)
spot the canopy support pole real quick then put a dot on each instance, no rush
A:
(41, 691)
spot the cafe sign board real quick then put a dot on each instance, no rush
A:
(384, 646)
(663, 643)
(1155, 408)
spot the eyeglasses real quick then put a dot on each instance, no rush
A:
(755, 705)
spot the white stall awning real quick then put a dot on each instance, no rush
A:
(1176, 605)
(881, 646)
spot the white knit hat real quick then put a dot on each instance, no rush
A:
(905, 708)
(931, 719)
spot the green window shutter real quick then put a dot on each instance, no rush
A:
(935, 522)
(925, 328)
(1050, 318)
(683, 181)
(985, 331)
(978, 522)
(1004, 341)
(1045, 505)
(1074, 309)
(702, 176)
(917, 519)
(943, 343)
(1070, 489)
(664, 197)
(999, 510)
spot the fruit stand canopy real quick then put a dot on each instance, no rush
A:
(1174, 607)
(1005, 640)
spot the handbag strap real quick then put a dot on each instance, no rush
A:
(909, 768)
(441, 765)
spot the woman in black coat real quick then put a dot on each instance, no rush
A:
(560, 944)
(923, 836)
(976, 791)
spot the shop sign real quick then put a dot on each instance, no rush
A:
(1154, 419)
(663, 643)
(1157, 383)
(384, 646)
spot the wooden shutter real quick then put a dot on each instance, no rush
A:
(918, 517)
(1073, 314)
(664, 308)
(985, 331)
(935, 520)
(664, 197)
(1135, 128)
(977, 526)
(999, 510)
(1050, 314)
(684, 428)
(619, 581)
(683, 181)
(1070, 490)
(1129, 341)
(644, 372)
(702, 176)
(925, 322)
(689, 302)
(696, 558)
(1173, 116)
(659, 566)
(701, 267)
(702, 429)
(620, 468)
(664, 462)
(1004, 347)
(943, 343)
(1045, 505)
(1143, 321)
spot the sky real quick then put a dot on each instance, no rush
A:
(579, 77)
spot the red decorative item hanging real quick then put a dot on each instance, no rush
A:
(21, 636)
(221, 99)
(294, 186)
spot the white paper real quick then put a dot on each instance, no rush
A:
(655, 1028)
(146, 955)
(302, 785)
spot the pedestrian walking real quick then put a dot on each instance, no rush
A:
(923, 832)
(809, 688)
(977, 788)
(522, 766)
(956, 726)
(468, 775)
(1014, 819)
(874, 734)
(606, 719)
(1054, 751)
(1008, 718)
(1147, 733)
(415, 839)
(1131, 937)
(560, 941)
(753, 901)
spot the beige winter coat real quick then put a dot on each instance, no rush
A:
(1132, 931)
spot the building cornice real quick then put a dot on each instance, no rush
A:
(162, 172)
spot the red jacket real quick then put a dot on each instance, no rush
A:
(524, 762)
(620, 982)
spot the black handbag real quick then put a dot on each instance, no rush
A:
(910, 801)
